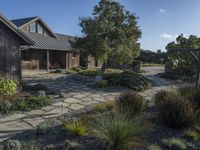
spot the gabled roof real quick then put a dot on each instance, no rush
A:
(20, 23)
(63, 42)
(14, 29)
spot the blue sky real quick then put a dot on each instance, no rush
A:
(160, 20)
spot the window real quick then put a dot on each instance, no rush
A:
(25, 55)
(33, 28)
(39, 29)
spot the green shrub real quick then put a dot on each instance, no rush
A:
(41, 129)
(197, 129)
(69, 145)
(161, 96)
(31, 102)
(175, 110)
(5, 106)
(102, 83)
(105, 106)
(88, 72)
(131, 102)
(175, 144)
(77, 69)
(117, 131)
(68, 71)
(12, 145)
(76, 127)
(191, 135)
(113, 71)
(57, 71)
(99, 107)
(7, 87)
(129, 79)
(154, 147)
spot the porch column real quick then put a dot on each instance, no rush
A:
(47, 60)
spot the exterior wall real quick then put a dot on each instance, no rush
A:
(92, 63)
(37, 59)
(9, 54)
(26, 28)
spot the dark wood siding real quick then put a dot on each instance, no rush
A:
(9, 54)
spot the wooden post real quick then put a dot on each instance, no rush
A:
(47, 60)
(197, 83)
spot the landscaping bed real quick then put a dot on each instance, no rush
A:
(128, 123)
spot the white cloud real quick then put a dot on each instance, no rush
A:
(168, 36)
(162, 11)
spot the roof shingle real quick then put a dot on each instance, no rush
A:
(21, 22)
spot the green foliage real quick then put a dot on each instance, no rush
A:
(186, 63)
(118, 131)
(41, 129)
(77, 69)
(30, 103)
(88, 72)
(197, 129)
(154, 147)
(12, 145)
(112, 33)
(129, 79)
(113, 71)
(175, 110)
(106, 106)
(69, 71)
(5, 106)
(71, 145)
(175, 144)
(76, 127)
(7, 87)
(191, 135)
(57, 71)
(102, 83)
(131, 102)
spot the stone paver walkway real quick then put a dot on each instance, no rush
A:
(75, 97)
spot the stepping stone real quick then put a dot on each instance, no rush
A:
(88, 103)
(86, 99)
(79, 96)
(34, 121)
(56, 112)
(12, 118)
(76, 106)
(100, 99)
(72, 101)
(59, 104)
(35, 113)
(48, 108)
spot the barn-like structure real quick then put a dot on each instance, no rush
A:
(10, 42)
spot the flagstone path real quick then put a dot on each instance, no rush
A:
(76, 96)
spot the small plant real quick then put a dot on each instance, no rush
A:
(7, 87)
(154, 147)
(161, 96)
(175, 110)
(110, 105)
(41, 129)
(100, 107)
(5, 106)
(175, 144)
(118, 131)
(88, 72)
(191, 135)
(102, 83)
(68, 145)
(12, 145)
(69, 71)
(197, 129)
(76, 127)
(131, 102)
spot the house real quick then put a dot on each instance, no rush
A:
(10, 41)
(50, 50)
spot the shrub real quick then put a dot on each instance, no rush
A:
(12, 145)
(76, 127)
(154, 147)
(197, 129)
(175, 110)
(160, 96)
(117, 131)
(100, 107)
(129, 79)
(88, 72)
(131, 102)
(5, 106)
(31, 102)
(77, 69)
(106, 106)
(175, 144)
(113, 71)
(57, 71)
(68, 145)
(102, 83)
(68, 71)
(7, 87)
(41, 129)
(191, 135)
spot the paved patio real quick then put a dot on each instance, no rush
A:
(76, 96)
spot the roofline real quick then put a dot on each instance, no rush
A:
(14, 28)
(35, 48)
(38, 18)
